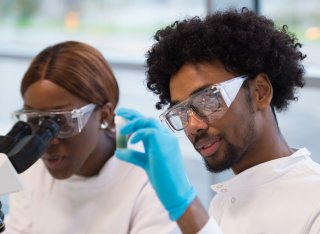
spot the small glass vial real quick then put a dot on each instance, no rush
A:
(121, 140)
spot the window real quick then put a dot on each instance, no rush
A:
(122, 28)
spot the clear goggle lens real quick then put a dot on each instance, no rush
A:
(71, 122)
(209, 104)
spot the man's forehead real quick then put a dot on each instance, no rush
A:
(194, 77)
(196, 90)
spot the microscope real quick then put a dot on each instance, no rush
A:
(19, 150)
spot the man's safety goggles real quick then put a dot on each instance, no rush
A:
(71, 122)
(209, 104)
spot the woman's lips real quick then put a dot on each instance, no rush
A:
(53, 162)
(208, 147)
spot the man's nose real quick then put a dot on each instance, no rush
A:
(196, 123)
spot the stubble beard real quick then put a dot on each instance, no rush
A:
(232, 154)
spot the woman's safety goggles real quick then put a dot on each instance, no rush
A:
(71, 122)
(209, 104)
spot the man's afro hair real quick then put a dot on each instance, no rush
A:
(245, 43)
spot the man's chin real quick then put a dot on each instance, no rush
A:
(216, 167)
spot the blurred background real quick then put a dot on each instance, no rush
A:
(123, 30)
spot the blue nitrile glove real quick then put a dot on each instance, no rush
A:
(162, 161)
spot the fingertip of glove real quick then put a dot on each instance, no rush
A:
(121, 110)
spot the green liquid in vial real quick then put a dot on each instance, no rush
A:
(122, 141)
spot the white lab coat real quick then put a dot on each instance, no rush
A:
(119, 200)
(281, 196)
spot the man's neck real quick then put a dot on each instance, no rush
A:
(269, 145)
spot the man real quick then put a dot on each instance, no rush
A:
(224, 77)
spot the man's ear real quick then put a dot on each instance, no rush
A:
(107, 114)
(263, 91)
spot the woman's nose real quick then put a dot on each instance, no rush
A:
(54, 141)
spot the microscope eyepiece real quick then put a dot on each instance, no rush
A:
(20, 130)
(47, 130)
(17, 132)
(30, 148)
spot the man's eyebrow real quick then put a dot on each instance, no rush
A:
(192, 93)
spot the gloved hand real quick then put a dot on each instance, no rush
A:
(162, 161)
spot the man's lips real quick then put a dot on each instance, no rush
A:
(208, 147)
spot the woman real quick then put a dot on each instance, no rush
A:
(79, 186)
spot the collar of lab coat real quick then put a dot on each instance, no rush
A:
(263, 173)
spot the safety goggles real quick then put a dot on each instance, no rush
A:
(71, 122)
(208, 104)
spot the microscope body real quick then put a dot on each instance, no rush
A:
(10, 181)
(19, 150)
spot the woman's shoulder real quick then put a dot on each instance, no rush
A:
(124, 171)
